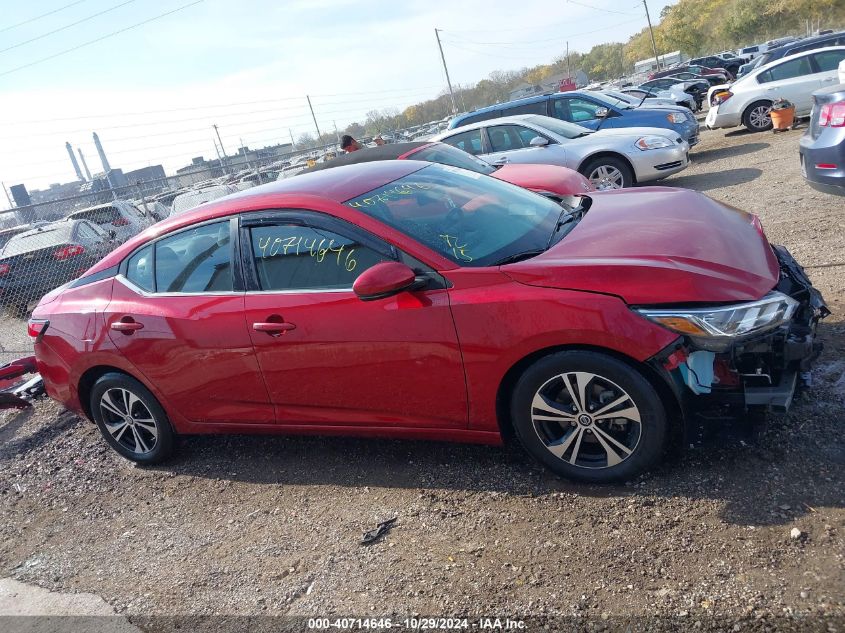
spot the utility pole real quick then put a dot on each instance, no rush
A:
(568, 69)
(651, 30)
(219, 158)
(6, 191)
(448, 81)
(223, 160)
(336, 133)
(292, 142)
(315, 119)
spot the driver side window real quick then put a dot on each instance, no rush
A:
(289, 257)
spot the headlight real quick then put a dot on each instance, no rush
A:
(716, 328)
(676, 117)
(653, 142)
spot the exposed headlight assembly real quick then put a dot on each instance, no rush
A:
(716, 328)
(676, 117)
(652, 142)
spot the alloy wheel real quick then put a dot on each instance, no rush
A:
(760, 117)
(129, 420)
(606, 177)
(586, 420)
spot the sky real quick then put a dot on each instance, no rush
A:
(153, 76)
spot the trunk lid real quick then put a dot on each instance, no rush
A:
(658, 245)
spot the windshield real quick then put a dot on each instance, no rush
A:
(40, 238)
(561, 128)
(470, 219)
(620, 97)
(448, 155)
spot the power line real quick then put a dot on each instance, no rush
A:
(38, 17)
(17, 123)
(590, 6)
(101, 38)
(67, 26)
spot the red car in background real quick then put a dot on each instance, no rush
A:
(552, 181)
(415, 300)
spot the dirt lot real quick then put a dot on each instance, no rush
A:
(740, 534)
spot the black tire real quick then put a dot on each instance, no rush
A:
(157, 437)
(610, 163)
(750, 116)
(613, 381)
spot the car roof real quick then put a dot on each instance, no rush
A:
(785, 58)
(388, 151)
(512, 118)
(499, 106)
(783, 50)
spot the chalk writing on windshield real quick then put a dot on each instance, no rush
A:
(321, 251)
(458, 250)
(384, 196)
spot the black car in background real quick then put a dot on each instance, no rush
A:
(796, 46)
(822, 148)
(35, 261)
(713, 61)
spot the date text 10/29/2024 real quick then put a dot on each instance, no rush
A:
(417, 624)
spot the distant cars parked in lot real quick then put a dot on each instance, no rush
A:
(549, 180)
(38, 260)
(414, 300)
(693, 68)
(696, 88)
(714, 61)
(822, 148)
(610, 158)
(590, 110)
(748, 100)
(640, 98)
(122, 217)
(195, 197)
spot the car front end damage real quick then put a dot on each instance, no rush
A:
(752, 356)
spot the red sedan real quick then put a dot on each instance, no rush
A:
(552, 181)
(414, 300)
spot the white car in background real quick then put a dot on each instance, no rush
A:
(842, 72)
(195, 197)
(748, 100)
(122, 218)
(610, 158)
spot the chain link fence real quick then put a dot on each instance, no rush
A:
(49, 243)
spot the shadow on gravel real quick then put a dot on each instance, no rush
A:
(716, 179)
(709, 155)
(10, 447)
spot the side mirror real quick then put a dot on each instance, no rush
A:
(383, 280)
(538, 141)
(601, 113)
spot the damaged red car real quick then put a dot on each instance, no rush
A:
(414, 300)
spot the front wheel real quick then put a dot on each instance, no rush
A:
(757, 117)
(588, 416)
(130, 419)
(607, 172)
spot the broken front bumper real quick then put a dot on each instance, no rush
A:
(761, 371)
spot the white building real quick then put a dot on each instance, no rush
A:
(650, 64)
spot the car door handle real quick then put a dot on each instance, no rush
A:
(273, 328)
(127, 325)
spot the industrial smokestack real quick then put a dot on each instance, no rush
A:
(73, 160)
(84, 164)
(103, 159)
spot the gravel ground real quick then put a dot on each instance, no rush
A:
(746, 532)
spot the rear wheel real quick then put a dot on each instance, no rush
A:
(130, 419)
(757, 117)
(589, 416)
(607, 172)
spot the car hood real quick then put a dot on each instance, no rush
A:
(658, 245)
(551, 178)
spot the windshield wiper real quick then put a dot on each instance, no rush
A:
(517, 257)
(570, 217)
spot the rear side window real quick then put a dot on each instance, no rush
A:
(294, 257)
(828, 60)
(538, 107)
(139, 269)
(468, 141)
(196, 260)
(787, 70)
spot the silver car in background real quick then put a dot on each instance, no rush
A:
(610, 158)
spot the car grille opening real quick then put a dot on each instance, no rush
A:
(665, 166)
